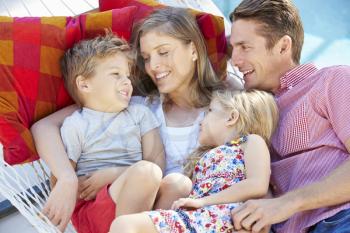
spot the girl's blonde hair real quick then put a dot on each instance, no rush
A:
(179, 24)
(258, 114)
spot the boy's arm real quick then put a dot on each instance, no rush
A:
(152, 148)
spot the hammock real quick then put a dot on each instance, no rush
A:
(26, 186)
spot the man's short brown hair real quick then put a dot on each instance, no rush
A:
(82, 59)
(277, 18)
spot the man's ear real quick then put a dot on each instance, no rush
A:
(234, 115)
(82, 84)
(194, 52)
(285, 45)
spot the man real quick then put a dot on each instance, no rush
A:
(310, 177)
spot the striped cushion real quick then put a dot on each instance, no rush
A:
(212, 28)
(31, 86)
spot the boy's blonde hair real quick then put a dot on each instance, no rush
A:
(179, 24)
(258, 114)
(83, 57)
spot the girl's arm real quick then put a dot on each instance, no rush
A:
(48, 142)
(256, 184)
(152, 148)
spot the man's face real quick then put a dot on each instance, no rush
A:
(260, 66)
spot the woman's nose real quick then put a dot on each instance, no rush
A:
(154, 63)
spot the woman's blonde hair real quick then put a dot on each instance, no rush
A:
(179, 24)
(258, 114)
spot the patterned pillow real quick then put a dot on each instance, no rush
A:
(212, 28)
(31, 86)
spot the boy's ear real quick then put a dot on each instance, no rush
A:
(234, 115)
(82, 84)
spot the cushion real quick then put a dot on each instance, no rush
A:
(212, 28)
(31, 86)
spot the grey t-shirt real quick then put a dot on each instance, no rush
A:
(96, 140)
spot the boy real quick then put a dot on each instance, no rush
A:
(106, 139)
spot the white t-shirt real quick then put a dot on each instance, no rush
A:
(178, 142)
(96, 140)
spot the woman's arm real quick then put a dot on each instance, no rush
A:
(48, 142)
(152, 148)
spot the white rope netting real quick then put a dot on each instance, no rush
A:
(27, 188)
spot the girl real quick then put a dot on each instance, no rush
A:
(234, 166)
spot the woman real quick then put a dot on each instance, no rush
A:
(171, 51)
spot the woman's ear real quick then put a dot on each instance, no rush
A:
(194, 52)
(82, 84)
(234, 115)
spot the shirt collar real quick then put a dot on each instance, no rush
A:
(295, 76)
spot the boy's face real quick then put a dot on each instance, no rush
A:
(260, 66)
(110, 86)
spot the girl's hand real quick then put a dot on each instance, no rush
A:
(187, 203)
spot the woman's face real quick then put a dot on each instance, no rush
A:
(168, 61)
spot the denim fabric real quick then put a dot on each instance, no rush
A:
(338, 223)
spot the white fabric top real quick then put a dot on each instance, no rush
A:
(178, 142)
(98, 140)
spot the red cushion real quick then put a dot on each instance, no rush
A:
(31, 86)
(212, 28)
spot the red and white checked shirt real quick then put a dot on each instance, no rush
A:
(309, 142)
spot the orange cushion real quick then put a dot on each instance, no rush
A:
(31, 86)
(211, 26)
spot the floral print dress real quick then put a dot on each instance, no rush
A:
(217, 170)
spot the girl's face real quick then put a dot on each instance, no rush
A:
(168, 61)
(214, 127)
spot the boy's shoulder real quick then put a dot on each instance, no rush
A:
(138, 111)
(76, 119)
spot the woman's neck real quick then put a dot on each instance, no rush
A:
(181, 100)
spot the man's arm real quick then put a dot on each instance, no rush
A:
(256, 214)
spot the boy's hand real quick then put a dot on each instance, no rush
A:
(61, 203)
(90, 185)
(187, 203)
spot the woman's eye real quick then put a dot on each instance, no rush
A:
(163, 53)
(145, 59)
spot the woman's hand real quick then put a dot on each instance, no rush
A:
(61, 202)
(188, 203)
